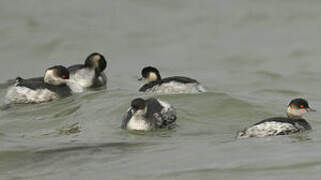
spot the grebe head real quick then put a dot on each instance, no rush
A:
(96, 61)
(150, 74)
(138, 106)
(298, 107)
(56, 75)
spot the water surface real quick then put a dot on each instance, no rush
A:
(252, 56)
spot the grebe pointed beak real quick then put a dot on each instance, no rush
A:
(140, 79)
(311, 110)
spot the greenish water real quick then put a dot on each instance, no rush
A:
(252, 56)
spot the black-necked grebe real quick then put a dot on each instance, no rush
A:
(54, 85)
(175, 84)
(90, 74)
(150, 114)
(294, 123)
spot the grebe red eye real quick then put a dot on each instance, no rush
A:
(64, 76)
(301, 106)
(140, 107)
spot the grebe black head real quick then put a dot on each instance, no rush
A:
(138, 104)
(56, 75)
(96, 61)
(150, 74)
(298, 107)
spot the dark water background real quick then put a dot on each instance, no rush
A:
(252, 56)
